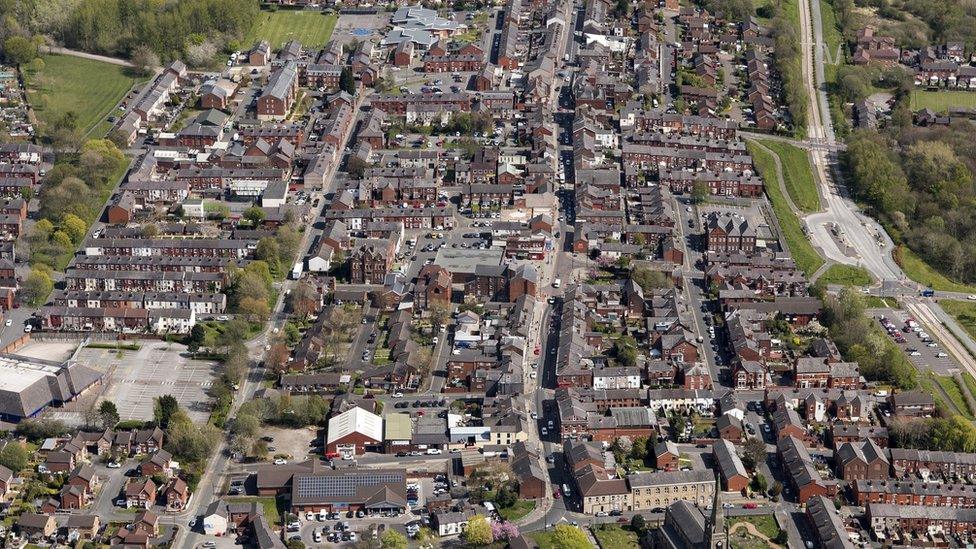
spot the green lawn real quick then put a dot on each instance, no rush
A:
(756, 4)
(612, 535)
(517, 511)
(875, 302)
(964, 312)
(277, 27)
(797, 175)
(951, 387)
(88, 88)
(941, 100)
(921, 272)
(766, 524)
(803, 253)
(846, 275)
(543, 539)
(970, 382)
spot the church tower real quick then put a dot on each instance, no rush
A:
(715, 528)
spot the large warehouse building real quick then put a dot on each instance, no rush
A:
(29, 385)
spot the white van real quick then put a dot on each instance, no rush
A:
(557, 283)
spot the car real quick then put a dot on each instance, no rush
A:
(317, 536)
(352, 536)
(209, 544)
(915, 353)
(602, 514)
(971, 297)
(114, 465)
(121, 502)
(535, 415)
(433, 451)
(360, 514)
(941, 354)
(749, 506)
(416, 453)
(309, 516)
(8, 322)
(28, 328)
(397, 395)
(765, 427)
(545, 431)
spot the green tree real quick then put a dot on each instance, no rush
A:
(478, 532)
(164, 407)
(699, 192)
(109, 414)
(37, 286)
(625, 350)
(638, 523)
(255, 215)
(753, 452)
(565, 536)
(75, 227)
(19, 50)
(347, 82)
(295, 544)
(776, 489)
(640, 450)
(649, 280)
(759, 483)
(246, 425)
(197, 338)
(391, 539)
(14, 457)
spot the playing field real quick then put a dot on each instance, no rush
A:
(940, 101)
(311, 28)
(89, 88)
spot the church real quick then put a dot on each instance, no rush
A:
(687, 526)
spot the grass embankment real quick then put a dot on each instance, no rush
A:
(516, 511)
(806, 257)
(311, 28)
(964, 312)
(921, 272)
(797, 175)
(952, 388)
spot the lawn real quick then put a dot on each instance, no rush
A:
(921, 272)
(797, 175)
(970, 382)
(277, 27)
(875, 302)
(964, 312)
(803, 253)
(846, 275)
(941, 100)
(756, 4)
(517, 511)
(766, 524)
(612, 535)
(89, 88)
(543, 539)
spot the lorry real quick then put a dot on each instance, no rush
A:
(296, 271)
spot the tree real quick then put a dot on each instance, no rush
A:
(245, 425)
(759, 483)
(753, 452)
(506, 497)
(425, 537)
(347, 82)
(19, 50)
(625, 349)
(198, 336)
(304, 299)
(256, 310)
(776, 489)
(565, 536)
(37, 286)
(356, 167)
(295, 544)
(639, 452)
(75, 227)
(277, 358)
(109, 414)
(255, 215)
(14, 457)
(699, 192)
(478, 532)
(391, 539)
(144, 60)
(649, 280)
(638, 524)
(439, 313)
(164, 407)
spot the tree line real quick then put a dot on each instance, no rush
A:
(188, 29)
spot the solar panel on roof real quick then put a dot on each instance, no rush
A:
(342, 486)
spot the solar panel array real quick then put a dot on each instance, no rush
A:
(330, 486)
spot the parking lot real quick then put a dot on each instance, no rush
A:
(134, 378)
(922, 350)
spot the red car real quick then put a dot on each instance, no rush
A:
(556, 494)
(749, 506)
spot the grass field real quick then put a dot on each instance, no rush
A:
(612, 535)
(797, 175)
(803, 253)
(89, 88)
(277, 27)
(940, 101)
(846, 275)
(269, 504)
(875, 302)
(964, 312)
(921, 272)
(970, 382)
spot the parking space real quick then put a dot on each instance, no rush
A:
(292, 444)
(921, 347)
(135, 378)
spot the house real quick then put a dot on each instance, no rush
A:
(803, 476)
(177, 494)
(6, 478)
(729, 428)
(734, 475)
(354, 431)
(82, 527)
(36, 526)
(531, 476)
(912, 404)
(860, 461)
(140, 493)
(451, 523)
(158, 462)
(666, 455)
